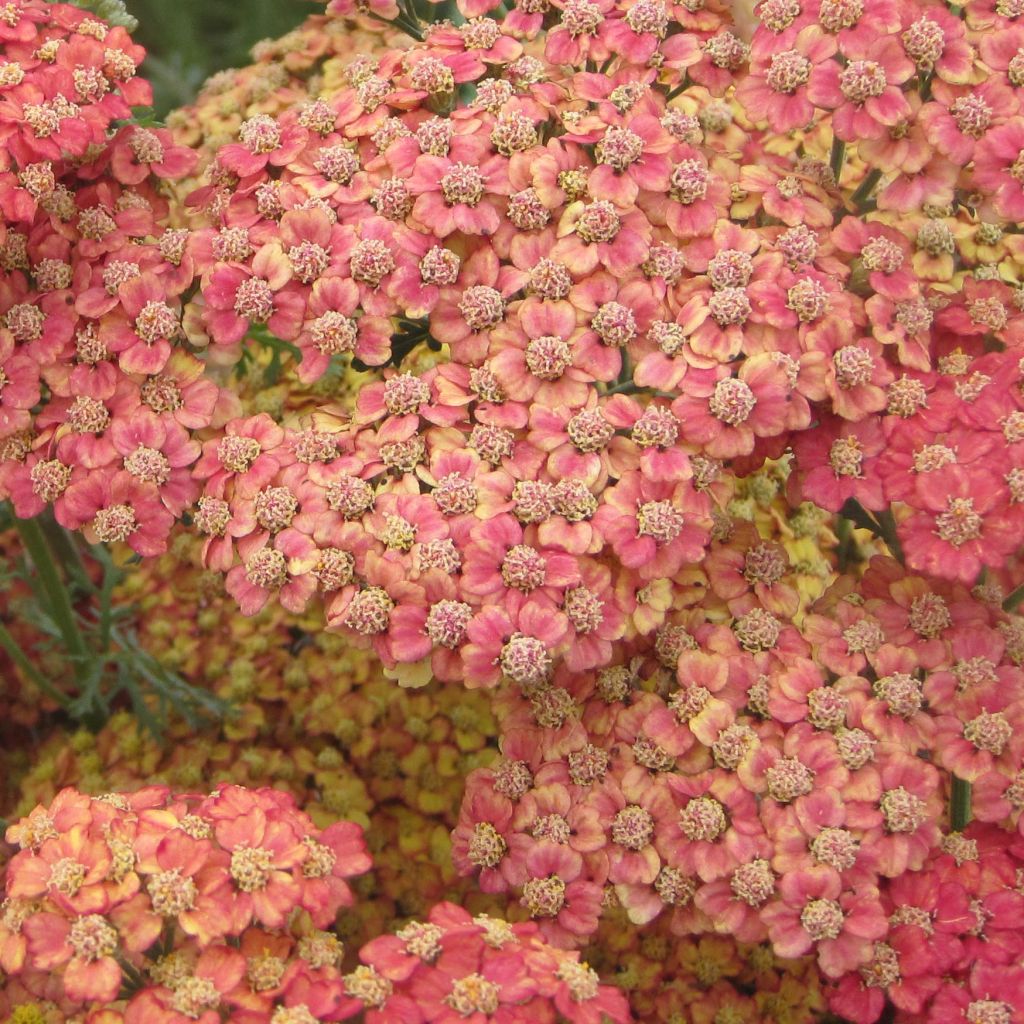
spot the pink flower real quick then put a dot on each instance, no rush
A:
(996, 168)
(654, 527)
(331, 328)
(865, 94)
(158, 452)
(83, 947)
(518, 643)
(113, 507)
(776, 89)
(565, 906)
(725, 413)
(716, 826)
(262, 141)
(815, 912)
(238, 296)
(458, 192)
(990, 989)
(486, 840)
(247, 455)
(501, 567)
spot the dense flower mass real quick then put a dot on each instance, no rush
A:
(154, 907)
(653, 371)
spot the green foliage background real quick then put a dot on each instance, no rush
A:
(188, 40)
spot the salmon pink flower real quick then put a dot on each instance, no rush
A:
(197, 995)
(908, 804)
(365, 614)
(630, 157)
(815, 912)
(331, 328)
(247, 455)
(962, 115)
(19, 390)
(546, 359)
(982, 735)
(263, 850)
(239, 296)
(69, 870)
(486, 840)
(84, 947)
(518, 643)
(775, 90)
(565, 905)
(458, 192)
(964, 524)
(136, 153)
(265, 572)
(582, 442)
(934, 38)
(837, 462)
(724, 413)
(653, 527)
(999, 168)
(501, 566)
(577, 35)
(333, 856)
(696, 196)
(715, 826)
(262, 141)
(117, 507)
(599, 234)
(992, 991)
(633, 813)
(864, 94)
(549, 814)
(158, 452)
(655, 430)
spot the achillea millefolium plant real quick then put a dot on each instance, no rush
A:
(576, 452)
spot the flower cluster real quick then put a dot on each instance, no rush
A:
(173, 906)
(775, 783)
(632, 292)
(454, 967)
(158, 908)
(657, 368)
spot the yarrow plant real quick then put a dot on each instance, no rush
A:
(655, 367)
(155, 907)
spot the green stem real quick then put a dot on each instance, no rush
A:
(864, 190)
(679, 89)
(887, 524)
(882, 525)
(17, 655)
(1013, 599)
(628, 387)
(58, 602)
(836, 157)
(960, 805)
(847, 545)
(63, 545)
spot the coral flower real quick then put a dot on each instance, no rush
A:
(654, 528)
(716, 826)
(815, 912)
(865, 93)
(84, 947)
(119, 507)
(458, 192)
(725, 413)
(776, 90)
(565, 905)
(239, 296)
